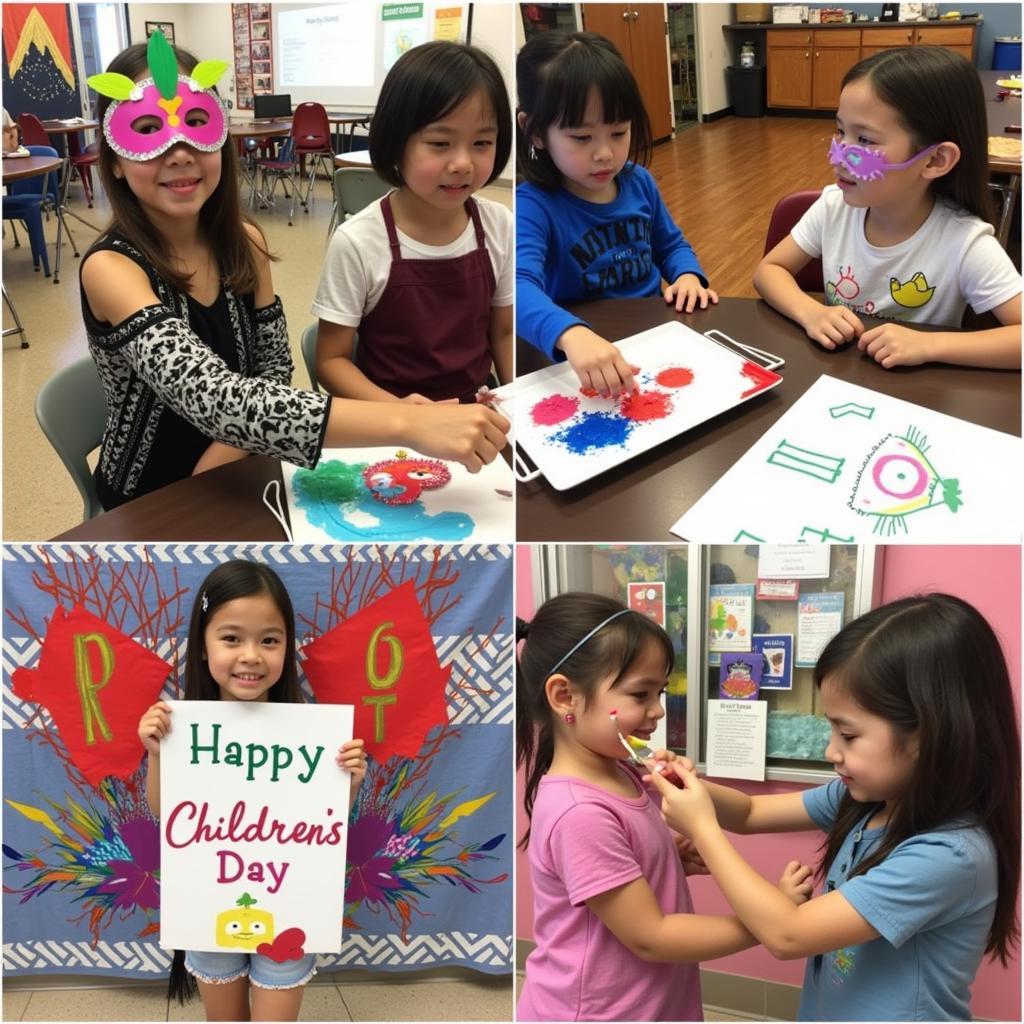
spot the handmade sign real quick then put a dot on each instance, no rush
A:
(392, 494)
(855, 465)
(253, 828)
(383, 662)
(572, 433)
(96, 683)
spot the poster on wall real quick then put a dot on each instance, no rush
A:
(730, 614)
(404, 27)
(648, 599)
(776, 650)
(39, 64)
(254, 820)
(254, 60)
(819, 617)
(739, 675)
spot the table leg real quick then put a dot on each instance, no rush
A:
(1010, 191)
(19, 329)
(62, 213)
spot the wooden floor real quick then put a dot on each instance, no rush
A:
(720, 182)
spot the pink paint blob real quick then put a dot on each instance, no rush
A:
(554, 409)
(675, 377)
(614, 713)
(646, 405)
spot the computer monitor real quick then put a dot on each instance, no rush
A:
(272, 105)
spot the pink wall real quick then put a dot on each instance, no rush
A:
(988, 577)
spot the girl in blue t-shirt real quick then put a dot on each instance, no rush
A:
(921, 862)
(590, 222)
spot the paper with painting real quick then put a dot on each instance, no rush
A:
(572, 434)
(389, 494)
(847, 464)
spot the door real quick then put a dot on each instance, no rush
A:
(639, 31)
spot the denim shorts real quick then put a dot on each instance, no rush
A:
(221, 968)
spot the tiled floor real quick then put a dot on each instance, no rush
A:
(39, 498)
(433, 996)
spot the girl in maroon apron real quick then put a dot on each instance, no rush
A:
(441, 130)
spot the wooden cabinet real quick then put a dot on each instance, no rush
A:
(640, 34)
(806, 65)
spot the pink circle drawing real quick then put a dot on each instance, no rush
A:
(890, 473)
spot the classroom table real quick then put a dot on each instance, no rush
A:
(353, 158)
(262, 129)
(224, 504)
(17, 169)
(639, 500)
(1000, 114)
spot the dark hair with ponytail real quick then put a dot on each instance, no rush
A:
(932, 667)
(557, 626)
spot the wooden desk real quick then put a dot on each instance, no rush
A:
(639, 501)
(60, 128)
(259, 129)
(225, 504)
(354, 158)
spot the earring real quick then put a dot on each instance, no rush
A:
(570, 718)
(533, 152)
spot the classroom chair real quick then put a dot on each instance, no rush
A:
(354, 188)
(275, 169)
(32, 131)
(82, 160)
(311, 132)
(788, 210)
(309, 353)
(72, 411)
(24, 202)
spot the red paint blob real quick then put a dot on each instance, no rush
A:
(761, 377)
(675, 377)
(554, 409)
(588, 392)
(646, 405)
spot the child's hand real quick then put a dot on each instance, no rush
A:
(417, 399)
(831, 326)
(895, 345)
(470, 434)
(352, 759)
(796, 882)
(693, 862)
(686, 809)
(688, 291)
(218, 454)
(154, 725)
(598, 363)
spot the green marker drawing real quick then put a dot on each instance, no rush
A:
(743, 535)
(803, 460)
(822, 536)
(852, 409)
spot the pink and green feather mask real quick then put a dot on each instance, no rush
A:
(148, 117)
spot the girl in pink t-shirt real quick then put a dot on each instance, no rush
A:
(616, 935)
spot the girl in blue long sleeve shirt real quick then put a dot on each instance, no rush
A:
(590, 222)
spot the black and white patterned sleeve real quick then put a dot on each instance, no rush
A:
(252, 413)
(273, 355)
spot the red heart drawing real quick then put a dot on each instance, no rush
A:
(287, 946)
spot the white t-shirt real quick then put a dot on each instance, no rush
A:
(358, 261)
(953, 260)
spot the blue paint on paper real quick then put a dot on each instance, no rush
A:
(595, 430)
(409, 522)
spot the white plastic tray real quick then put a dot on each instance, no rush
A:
(725, 374)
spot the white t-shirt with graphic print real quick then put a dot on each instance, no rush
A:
(953, 260)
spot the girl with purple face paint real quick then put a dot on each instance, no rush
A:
(189, 339)
(906, 232)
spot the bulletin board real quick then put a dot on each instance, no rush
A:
(254, 52)
(81, 850)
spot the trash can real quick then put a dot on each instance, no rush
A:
(1006, 53)
(746, 88)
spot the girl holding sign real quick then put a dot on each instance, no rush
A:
(921, 859)
(241, 646)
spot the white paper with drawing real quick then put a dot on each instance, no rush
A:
(388, 494)
(849, 464)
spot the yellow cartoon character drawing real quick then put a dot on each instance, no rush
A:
(243, 927)
(912, 293)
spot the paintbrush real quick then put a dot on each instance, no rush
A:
(640, 754)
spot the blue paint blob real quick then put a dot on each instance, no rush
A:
(409, 522)
(595, 430)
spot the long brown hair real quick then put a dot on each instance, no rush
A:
(932, 667)
(558, 625)
(938, 97)
(221, 219)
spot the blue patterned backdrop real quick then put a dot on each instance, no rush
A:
(81, 884)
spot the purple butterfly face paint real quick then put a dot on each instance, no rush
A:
(144, 127)
(867, 164)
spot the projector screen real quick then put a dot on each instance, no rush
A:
(337, 54)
